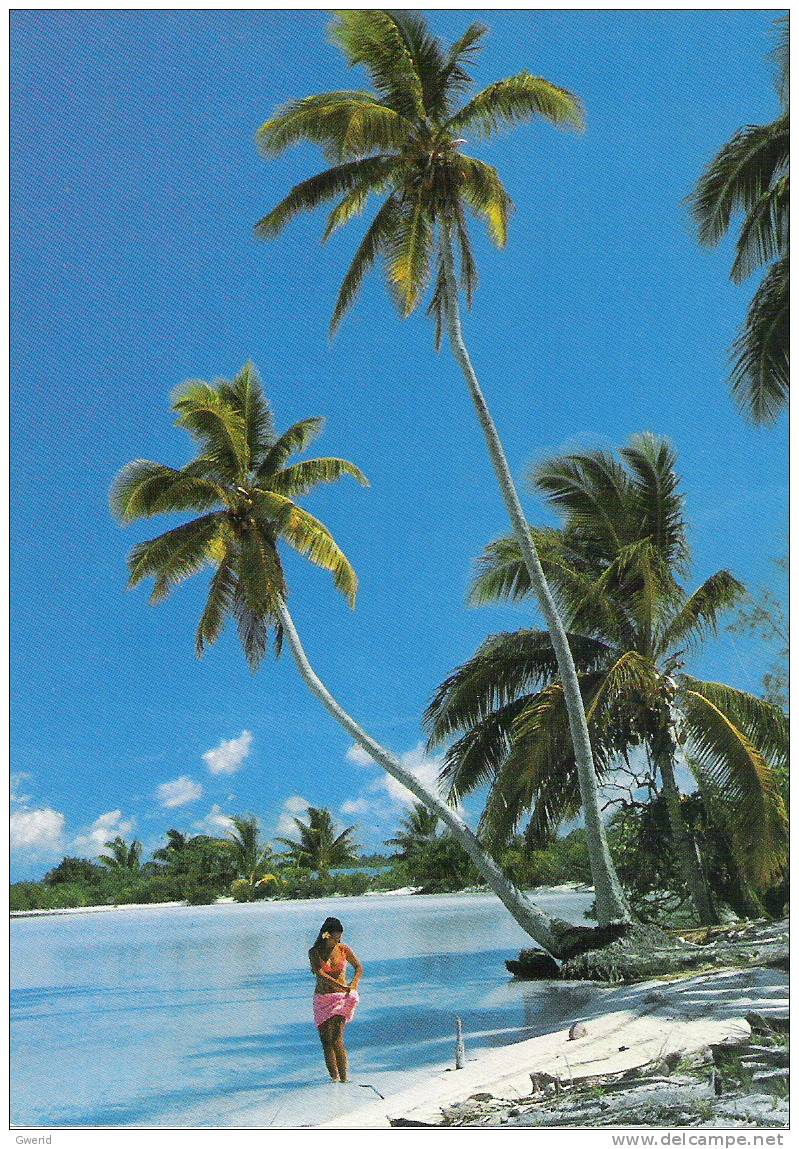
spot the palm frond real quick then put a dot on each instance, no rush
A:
(205, 413)
(474, 760)
(384, 42)
(144, 488)
(747, 785)
(760, 375)
(763, 723)
(245, 396)
(660, 503)
(501, 572)
(630, 673)
(699, 614)
(375, 241)
(484, 192)
(347, 124)
(504, 667)
(312, 538)
(570, 484)
(297, 438)
(174, 555)
(409, 252)
(218, 605)
(516, 100)
(303, 477)
(764, 232)
(455, 77)
(738, 176)
(324, 186)
(351, 205)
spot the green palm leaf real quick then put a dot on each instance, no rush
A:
(377, 239)
(763, 723)
(297, 438)
(517, 100)
(409, 251)
(246, 397)
(348, 124)
(748, 787)
(323, 187)
(175, 555)
(144, 488)
(485, 194)
(764, 232)
(204, 412)
(761, 374)
(312, 538)
(739, 175)
(303, 477)
(699, 615)
(474, 759)
(218, 605)
(394, 48)
(505, 666)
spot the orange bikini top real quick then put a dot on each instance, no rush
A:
(336, 970)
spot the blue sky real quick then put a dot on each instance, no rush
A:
(135, 184)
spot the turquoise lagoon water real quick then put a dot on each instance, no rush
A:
(201, 1016)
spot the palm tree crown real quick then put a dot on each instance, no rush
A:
(403, 142)
(416, 829)
(319, 847)
(244, 487)
(614, 567)
(750, 174)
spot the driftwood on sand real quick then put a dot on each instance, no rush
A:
(614, 1044)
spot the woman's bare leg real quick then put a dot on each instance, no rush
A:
(327, 1032)
(342, 1061)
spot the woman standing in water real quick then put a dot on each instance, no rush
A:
(334, 1001)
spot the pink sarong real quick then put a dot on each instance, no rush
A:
(327, 1005)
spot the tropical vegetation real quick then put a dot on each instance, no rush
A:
(318, 846)
(750, 176)
(617, 565)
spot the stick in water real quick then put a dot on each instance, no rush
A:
(460, 1055)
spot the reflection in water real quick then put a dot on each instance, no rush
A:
(201, 1016)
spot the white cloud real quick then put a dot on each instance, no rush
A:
(229, 755)
(37, 831)
(357, 806)
(16, 780)
(424, 767)
(358, 755)
(215, 822)
(103, 829)
(292, 807)
(179, 792)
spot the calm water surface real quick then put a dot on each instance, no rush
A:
(201, 1016)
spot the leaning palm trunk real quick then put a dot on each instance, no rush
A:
(611, 906)
(542, 928)
(684, 845)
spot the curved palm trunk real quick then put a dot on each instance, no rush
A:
(684, 844)
(541, 927)
(611, 905)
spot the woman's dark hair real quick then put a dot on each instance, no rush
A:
(329, 926)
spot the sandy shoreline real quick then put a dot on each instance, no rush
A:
(661, 1051)
(404, 891)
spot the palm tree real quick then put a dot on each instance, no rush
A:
(122, 856)
(319, 847)
(404, 142)
(252, 858)
(751, 175)
(176, 845)
(245, 491)
(615, 566)
(416, 829)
